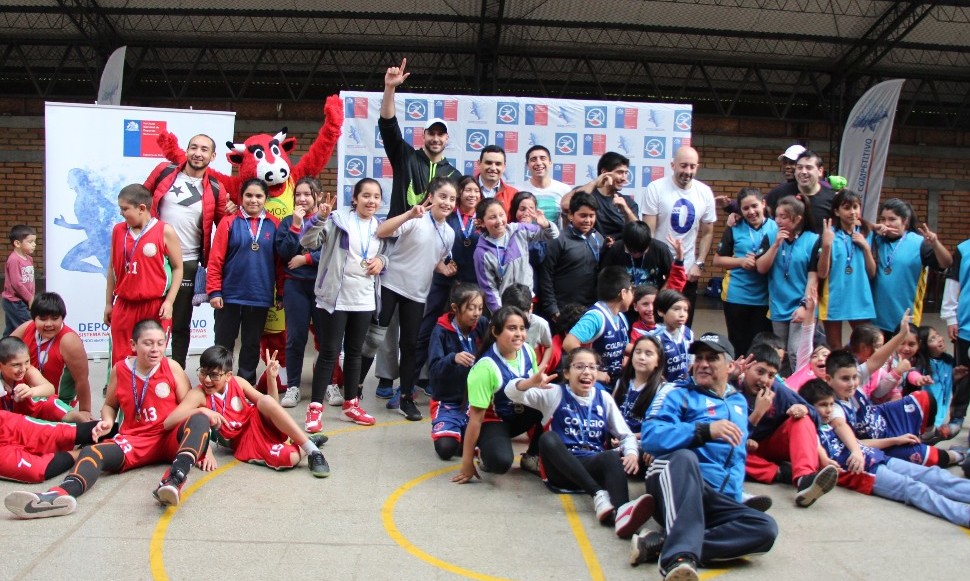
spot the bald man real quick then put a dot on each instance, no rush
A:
(678, 206)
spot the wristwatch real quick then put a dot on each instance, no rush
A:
(699, 264)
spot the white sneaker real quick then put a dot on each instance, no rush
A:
(335, 395)
(603, 506)
(291, 397)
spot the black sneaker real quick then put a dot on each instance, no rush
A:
(759, 502)
(646, 547)
(784, 475)
(170, 488)
(409, 410)
(318, 439)
(966, 467)
(811, 487)
(683, 568)
(318, 465)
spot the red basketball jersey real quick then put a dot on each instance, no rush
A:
(141, 267)
(234, 407)
(156, 398)
(47, 358)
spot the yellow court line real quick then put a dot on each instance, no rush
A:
(387, 516)
(589, 555)
(156, 547)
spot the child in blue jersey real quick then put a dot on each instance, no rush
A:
(845, 293)
(674, 334)
(604, 325)
(903, 254)
(242, 275)
(941, 368)
(639, 381)
(579, 421)
(451, 354)
(493, 420)
(745, 290)
(791, 263)
(299, 273)
(928, 488)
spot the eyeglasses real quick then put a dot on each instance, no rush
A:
(583, 367)
(211, 375)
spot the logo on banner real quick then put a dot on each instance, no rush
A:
(353, 136)
(536, 115)
(381, 168)
(682, 120)
(446, 109)
(564, 119)
(141, 138)
(564, 172)
(625, 118)
(653, 119)
(414, 136)
(452, 160)
(870, 118)
(507, 113)
(566, 143)
(623, 145)
(471, 166)
(507, 140)
(651, 173)
(355, 166)
(476, 110)
(416, 110)
(348, 195)
(378, 140)
(679, 142)
(476, 139)
(595, 117)
(355, 107)
(594, 144)
(654, 147)
(631, 177)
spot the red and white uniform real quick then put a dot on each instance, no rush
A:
(143, 275)
(142, 436)
(47, 357)
(44, 408)
(27, 445)
(253, 437)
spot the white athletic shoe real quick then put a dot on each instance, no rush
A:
(335, 395)
(603, 506)
(291, 397)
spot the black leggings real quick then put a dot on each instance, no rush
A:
(409, 313)
(228, 321)
(743, 322)
(602, 471)
(346, 328)
(495, 438)
(193, 436)
(64, 460)
(182, 312)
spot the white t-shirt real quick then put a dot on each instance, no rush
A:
(539, 332)
(181, 207)
(421, 243)
(357, 289)
(679, 212)
(548, 199)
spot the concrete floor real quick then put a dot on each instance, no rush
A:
(390, 511)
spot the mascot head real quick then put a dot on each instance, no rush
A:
(263, 156)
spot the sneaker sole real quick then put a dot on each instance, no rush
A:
(320, 474)
(824, 482)
(416, 418)
(345, 418)
(640, 514)
(650, 553)
(310, 430)
(682, 573)
(22, 505)
(759, 503)
(387, 395)
(167, 495)
(288, 403)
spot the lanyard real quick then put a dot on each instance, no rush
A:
(259, 226)
(42, 356)
(755, 234)
(131, 255)
(787, 252)
(519, 370)
(139, 400)
(639, 276)
(594, 249)
(889, 259)
(212, 402)
(849, 249)
(467, 341)
(364, 242)
(466, 228)
(437, 229)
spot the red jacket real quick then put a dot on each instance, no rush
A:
(213, 200)
(504, 194)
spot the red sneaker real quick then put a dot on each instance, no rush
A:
(352, 412)
(314, 418)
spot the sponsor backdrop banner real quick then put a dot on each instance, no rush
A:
(577, 133)
(865, 143)
(91, 153)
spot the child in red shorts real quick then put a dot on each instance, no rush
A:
(146, 257)
(254, 425)
(23, 390)
(145, 388)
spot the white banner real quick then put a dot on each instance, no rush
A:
(92, 152)
(865, 143)
(576, 133)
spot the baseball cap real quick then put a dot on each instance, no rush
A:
(436, 121)
(792, 152)
(714, 341)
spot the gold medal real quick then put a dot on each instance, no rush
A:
(363, 264)
(254, 247)
(888, 270)
(848, 270)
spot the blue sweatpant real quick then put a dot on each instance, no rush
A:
(928, 488)
(298, 303)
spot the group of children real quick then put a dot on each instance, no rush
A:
(462, 279)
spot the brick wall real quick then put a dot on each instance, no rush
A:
(926, 167)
